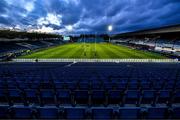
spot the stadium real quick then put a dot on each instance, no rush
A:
(98, 67)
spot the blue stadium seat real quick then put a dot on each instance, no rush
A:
(133, 86)
(158, 85)
(45, 85)
(4, 111)
(64, 97)
(75, 113)
(115, 96)
(2, 85)
(71, 85)
(157, 113)
(148, 97)
(35, 85)
(170, 85)
(15, 96)
(177, 85)
(21, 112)
(81, 96)
(102, 113)
(121, 86)
(31, 96)
(47, 96)
(96, 86)
(11, 85)
(98, 97)
(108, 86)
(59, 85)
(48, 112)
(129, 113)
(132, 97)
(164, 96)
(146, 85)
(84, 86)
(3, 96)
(176, 113)
(176, 97)
(23, 85)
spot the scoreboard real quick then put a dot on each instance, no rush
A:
(66, 38)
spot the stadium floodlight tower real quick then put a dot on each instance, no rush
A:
(110, 28)
(69, 28)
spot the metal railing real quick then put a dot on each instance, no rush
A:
(95, 60)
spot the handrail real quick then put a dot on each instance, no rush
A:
(95, 60)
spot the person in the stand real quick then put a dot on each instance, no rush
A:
(36, 60)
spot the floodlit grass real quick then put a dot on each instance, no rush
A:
(93, 51)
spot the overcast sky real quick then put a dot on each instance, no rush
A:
(88, 16)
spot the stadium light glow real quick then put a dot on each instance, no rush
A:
(69, 28)
(110, 28)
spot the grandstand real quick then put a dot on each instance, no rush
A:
(116, 85)
(14, 44)
(164, 40)
(90, 90)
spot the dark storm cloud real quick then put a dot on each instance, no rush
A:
(3, 6)
(4, 21)
(90, 16)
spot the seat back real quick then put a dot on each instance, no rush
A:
(4, 111)
(157, 112)
(47, 113)
(130, 113)
(21, 112)
(74, 113)
(102, 113)
(176, 113)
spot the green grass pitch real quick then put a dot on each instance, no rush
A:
(93, 51)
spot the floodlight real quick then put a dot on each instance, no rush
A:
(69, 27)
(110, 28)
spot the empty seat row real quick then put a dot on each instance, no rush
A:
(144, 85)
(49, 96)
(53, 112)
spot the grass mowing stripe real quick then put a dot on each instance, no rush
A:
(53, 53)
(111, 53)
(127, 52)
(103, 50)
(75, 53)
(122, 52)
(43, 52)
(65, 52)
(138, 53)
(93, 51)
(143, 54)
(87, 51)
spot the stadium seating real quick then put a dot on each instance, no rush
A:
(176, 111)
(91, 40)
(157, 113)
(97, 91)
(160, 45)
(20, 47)
(49, 112)
(75, 113)
(129, 113)
(21, 112)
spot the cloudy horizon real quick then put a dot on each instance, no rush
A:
(88, 16)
